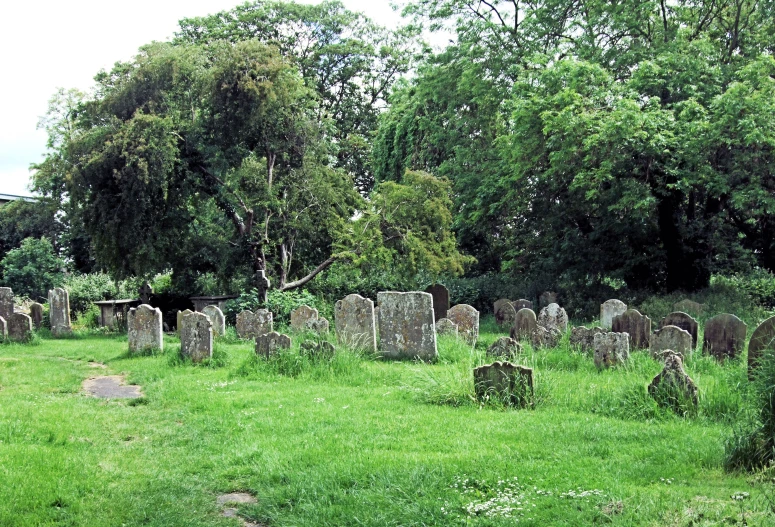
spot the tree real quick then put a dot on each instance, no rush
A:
(32, 269)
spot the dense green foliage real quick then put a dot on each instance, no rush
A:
(32, 269)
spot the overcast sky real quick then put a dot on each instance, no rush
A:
(57, 43)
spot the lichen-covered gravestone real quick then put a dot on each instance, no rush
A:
(217, 318)
(724, 336)
(672, 387)
(524, 324)
(636, 325)
(196, 337)
(584, 338)
(504, 348)
(355, 322)
(553, 317)
(6, 303)
(59, 311)
(250, 325)
(545, 338)
(36, 314)
(3, 329)
(522, 304)
(546, 298)
(763, 339)
(670, 338)
(504, 312)
(268, 344)
(683, 321)
(406, 325)
(611, 349)
(301, 315)
(181, 314)
(445, 326)
(689, 306)
(504, 382)
(610, 309)
(467, 319)
(19, 327)
(440, 296)
(144, 329)
(318, 325)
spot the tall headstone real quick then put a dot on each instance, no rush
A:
(196, 337)
(144, 329)
(467, 320)
(59, 311)
(145, 293)
(504, 382)
(355, 322)
(504, 348)
(611, 349)
(636, 325)
(179, 322)
(301, 315)
(553, 317)
(445, 326)
(670, 338)
(610, 309)
(504, 312)
(683, 321)
(217, 318)
(522, 304)
(546, 298)
(406, 325)
(440, 296)
(6, 303)
(762, 340)
(524, 324)
(724, 336)
(672, 387)
(268, 344)
(36, 314)
(19, 327)
(3, 329)
(250, 325)
(584, 338)
(262, 285)
(689, 306)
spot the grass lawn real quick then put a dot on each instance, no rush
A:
(357, 441)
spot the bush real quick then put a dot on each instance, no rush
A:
(85, 289)
(32, 269)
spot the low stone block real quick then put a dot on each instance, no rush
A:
(584, 338)
(268, 344)
(504, 348)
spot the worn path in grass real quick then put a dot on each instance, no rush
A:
(345, 444)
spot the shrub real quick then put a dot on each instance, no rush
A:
(85, 289)
(32, 269)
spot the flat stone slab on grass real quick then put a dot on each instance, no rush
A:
(111, 387)
(237, 498)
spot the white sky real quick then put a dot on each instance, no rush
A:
(58, 43)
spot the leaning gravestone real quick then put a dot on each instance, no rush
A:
(181, 314)
(318, 325)
(504, 382)
(19, 327)
(216, 317)
(268, 344)
(553, 317)
(504, 348)
(763, 339)
(524, 324)
(545, 338)
(683, 321)
(467, 320)
(670, 338)
(196, 337)
(689, 306)
(504, 312)
(724, 336)
(636, 325)
(36, 314)
(522, 304)
(144, 329)
(3, 329)
(355, 322)
(6, 303)
(59, 311)
(546, 298)
(610, 309)
(440, 296)
(445, 326)
(406, 326)
(611, 349)
(584, 338)
(301, 315)
(250, 325)
(672, 386)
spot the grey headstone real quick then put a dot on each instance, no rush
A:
(724, 336)
(506, 382)
(406, 325)
(683, 321)
(524, 324)
(181, 314)
(546, 298)
(553, 317)
(672, 386)
(522, 304)
(440, 296)
(670, 338)
(301, 315)
(217, 318)
(355, 322)
(36, 314)
(610, 309)
(59, 311)
(763, 339)
(584, 338)
(467, 320)
(636, 325)
(19, 327)
(689, 306)
(545, 338)
(144, 329)
(321, 348)
(6, 303)
(611, 349)
(268, 344)
(196, 337)
(250, 325)
(445, 326)
(319, 325)
(504, 348)
(505, 314)
(3, 329)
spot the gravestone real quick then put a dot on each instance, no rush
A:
(610, 309)
(59, 311)
(545, 338)
(196, 337)
(763, 339)
(502, 315)
(553, 317)
(504, 348)
(445, 326)
(406, 325)
(683, 321)
(6, 303)
(584, 338)
(19, 327)
(546, 298)
(689, 306)
(250, 325)
(440, 296)
(355, 322)
(144, 329)
(318, 325)
(524, 325)
(504, 382)
(522, 304)
(634, 324)
(670, 338)
(321, 348)
(301, 315)
(262, 285)
(181, 314)
(724, 336)
(268, 344)
(672, 386)
(217, 318)
(611, 349)
(467, 320)
(3, 329)
(145, 293)
(36, 314)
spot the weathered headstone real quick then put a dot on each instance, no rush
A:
(36, 314)
(318, 325)
(611, 349)
(546, 298)
(445, 326)
(670, 338)
(672, 386)
(584, 338)
(440, 296)
(683, 321)
(217, 318)
(545, 338)
(636, 325)
(19, 327)
(301, 315)
(406, 325)
(321, 348)
(59, 311)
(145, 293)
(268, 344)
(181, 314)
(505, 382)
(504, 348)
(6, 302)
(262, 285)
(553, 317)
(504, 312)
(724, 336)
(763, 339)
(3, 329)
(250, 325)
(144, 329)
(196, 337)
(467, 320)
(522, 304)
(524, 324)
(610, 309)
(689, 306)
(355, 322)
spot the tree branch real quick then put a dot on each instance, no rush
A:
(300, 282)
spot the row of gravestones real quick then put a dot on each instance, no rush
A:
(19, 326)
(145, 330)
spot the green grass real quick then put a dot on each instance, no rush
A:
(355, 441)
